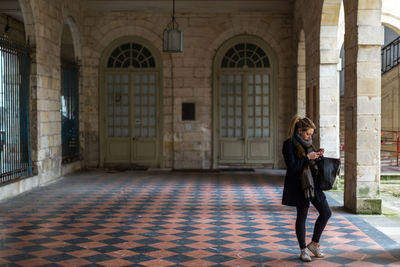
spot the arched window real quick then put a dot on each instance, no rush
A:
(245, 55)
(131, 55)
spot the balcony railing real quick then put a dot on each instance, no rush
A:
(390, 55)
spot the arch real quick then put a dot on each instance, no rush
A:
(70, 21)
(263, 34)
(106, 53)
(391, 22)
(301, 74)
(330, 16)
(245, 54)
(28, 18)
(131, 55)
(325, 111)
(391, 15)
(119, 33)
(245, 134)
(150, 76)
(70, 90)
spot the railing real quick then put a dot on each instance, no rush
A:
(391, 138)
(390, 55)
(387, 138)
(15, 155)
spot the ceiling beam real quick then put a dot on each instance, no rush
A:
(190, 6)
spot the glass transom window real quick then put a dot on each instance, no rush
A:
(245, 55)
(131, 55)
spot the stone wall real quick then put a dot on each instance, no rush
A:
(48, 17)
(192, 70)
(41, 28)
(16, 32)
(311, 27)
(322, 58)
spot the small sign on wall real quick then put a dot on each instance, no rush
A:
(188, 111)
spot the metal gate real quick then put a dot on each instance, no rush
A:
(15, 154)
(70, 112)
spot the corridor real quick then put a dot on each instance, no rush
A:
(136, 218)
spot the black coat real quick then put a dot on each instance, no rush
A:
(292, 192)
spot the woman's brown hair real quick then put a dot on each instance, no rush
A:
(298, 122)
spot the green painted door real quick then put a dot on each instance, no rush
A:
(130, 96)
(244, 118)
(244, 102)
(131, 118)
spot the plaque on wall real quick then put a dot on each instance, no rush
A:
(188, 112)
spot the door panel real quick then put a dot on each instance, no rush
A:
(258, 117)
(118, 118)
(118, 151)
(232, 150)
(145, 113)
(258, 150)
(231, 117)
(131, 118)
(145, 149)
(245, 104)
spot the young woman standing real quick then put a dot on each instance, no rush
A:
(300, 188)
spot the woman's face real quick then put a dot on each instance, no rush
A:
(307, 134)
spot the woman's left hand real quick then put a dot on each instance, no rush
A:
(321, 152)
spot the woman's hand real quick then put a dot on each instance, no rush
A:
(321, 152)
(313, 155)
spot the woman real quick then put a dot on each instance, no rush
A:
(300, 188)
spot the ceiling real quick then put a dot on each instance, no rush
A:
(190, 6)
(12, 8)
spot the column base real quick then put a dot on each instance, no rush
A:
(369, 206)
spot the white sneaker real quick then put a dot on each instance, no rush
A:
(304, 256)
(315, 250)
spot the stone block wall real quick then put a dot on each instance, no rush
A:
(192, 74)
(16, 32)
(48, 17)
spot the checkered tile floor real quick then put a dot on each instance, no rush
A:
(170, 219)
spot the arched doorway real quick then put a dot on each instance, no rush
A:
(69, 93)
(244, 104)
(326, 110)
(130, 92)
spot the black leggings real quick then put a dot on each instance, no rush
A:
(324, 215)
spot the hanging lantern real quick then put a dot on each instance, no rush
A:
(173, 37)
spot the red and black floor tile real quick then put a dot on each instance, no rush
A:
(174, 219)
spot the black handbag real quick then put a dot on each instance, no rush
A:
(328, 169)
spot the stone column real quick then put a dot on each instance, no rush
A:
(363, 40)
(48, 19)
(329, 95)
(301, 75)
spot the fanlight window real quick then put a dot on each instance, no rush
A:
(131, 55)
(245, 55)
